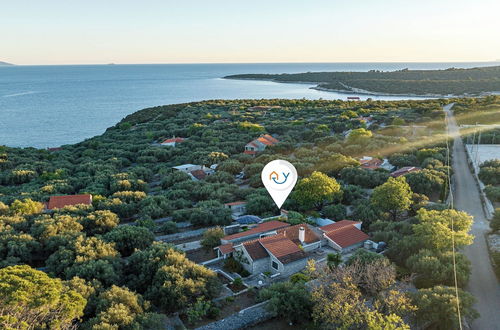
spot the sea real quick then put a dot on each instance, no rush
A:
(49, 106)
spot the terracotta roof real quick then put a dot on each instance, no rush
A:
(265, 141)
(199, 174)
(259, 229)
(404, 170)
(57, 202)
(176, 140)
(226, 248)
(255, 250)
(347, 236)
(292, 233)
(338, 225)
(270, 138)
(235, 203)
(283, 249)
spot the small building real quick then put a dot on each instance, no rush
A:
(58, 202)
(260, 144)
(172, 142)
(237, 208)
(353, 98)
(371, 163)
(224, 251)
(54, 149)
(187, 168)
(405, 170)
(196, 172)
(344, 236)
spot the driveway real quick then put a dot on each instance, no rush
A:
(483, 283)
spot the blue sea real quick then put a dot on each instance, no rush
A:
(48, 106)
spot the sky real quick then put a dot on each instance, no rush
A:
(237, 31)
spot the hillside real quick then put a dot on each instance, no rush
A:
(131, 274)
(5, 64)
(474, 81)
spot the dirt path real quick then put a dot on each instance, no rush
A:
(483, 283)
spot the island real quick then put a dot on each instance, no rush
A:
(5, 64)
(448, 82)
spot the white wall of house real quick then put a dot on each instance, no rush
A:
(311, 246)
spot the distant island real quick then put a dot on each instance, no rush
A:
(448, 82)
(5, 63)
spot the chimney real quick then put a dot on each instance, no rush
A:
(302, 235)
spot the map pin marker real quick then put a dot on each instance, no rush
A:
(279, 177)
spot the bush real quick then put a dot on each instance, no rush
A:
(211, 237)
(232, 265)
(299, 277)
(495, 222)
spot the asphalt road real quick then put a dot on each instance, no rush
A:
(483, 283)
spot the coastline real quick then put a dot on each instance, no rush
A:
(359, 91)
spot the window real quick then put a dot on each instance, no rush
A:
(274, 264)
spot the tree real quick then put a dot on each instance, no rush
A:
(316, 190)
(231, 166)
(31, 299)
(426, 181)
(287, 300)
(334, 163)
(260, 205)
(127, 239)
(433, 268)
(100, 222)
(216, 157)
(335, 212)
(359, 136)
(26, 207)
(434, 229)
(167, 278)
(120, 308)
(211, 237)
(338, 302)
(4, 209)
(393, 197)
(437, 307)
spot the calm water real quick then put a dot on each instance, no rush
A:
(46, 106)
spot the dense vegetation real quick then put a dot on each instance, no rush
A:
(124, 279)
(441, 82)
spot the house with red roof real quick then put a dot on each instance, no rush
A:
(58, 202)
(260, 144)
(285, 252)
(172, 142)
(405, 170)
(344, 235)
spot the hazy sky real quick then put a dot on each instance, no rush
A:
(183, 31)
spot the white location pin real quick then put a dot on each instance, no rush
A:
(279, 177)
